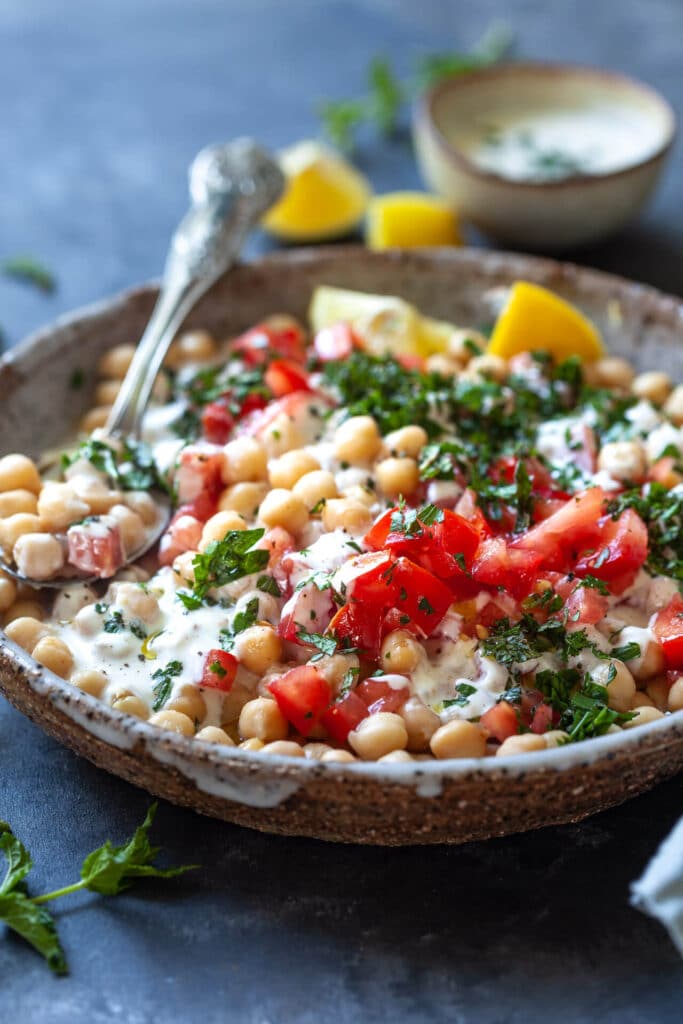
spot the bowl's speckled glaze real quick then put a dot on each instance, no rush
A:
(425, 802)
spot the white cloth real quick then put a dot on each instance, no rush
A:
(659, 891)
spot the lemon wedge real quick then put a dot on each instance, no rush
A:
(386, 323)
(410, 220)
(535, 318)
(325, 196)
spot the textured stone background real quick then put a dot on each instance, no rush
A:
(104, 105)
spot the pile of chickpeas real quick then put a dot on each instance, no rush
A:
(271, 480)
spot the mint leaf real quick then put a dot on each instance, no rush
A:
(36, 925)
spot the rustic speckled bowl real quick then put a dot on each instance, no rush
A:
(425, 802)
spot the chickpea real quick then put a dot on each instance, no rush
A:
(38, 556)
(673, 407)
(621, 689)
(524, 744)
(488, 367)
(458, 739)
(131, 527)
(314, 487)
(15, 527)
(59, 506)
(285, 748)
(612, 372)
(258, 647)
(396, 757)
(406, 441)
(400, 652)
(24, 609)
(252, 744)
(440, 363)
(339, 756)
(190, 702)
(89, 681)
(173, 721)
(281, 435)
(262, 719)
(55, 655)
(357, 440)
(232, 705)
(107, 392)
(96, 494)
(244, 459)
(675, 698)
(21, 500)
(650, 662)
(130, 704)
(282, 508)
(360, 495)
(19, 473)
(219, 525)
(658, 690)
(212, 734)
(624, 460)
(190, 347)
(315, 751)
(243, 498)
(26, 632)
(114, 363)
(653, 386)
(555, 738)
(379, 734)
(183, 569)
(642, 700)
(288, 469)
(461, 341)
(94, 418)
(8, 592)
(346, 514)
(137, 602)
(144, 505)
(643, 716)
(334, 667)
(421, 724)
(399, 476)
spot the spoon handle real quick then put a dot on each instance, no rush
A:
(231, 187)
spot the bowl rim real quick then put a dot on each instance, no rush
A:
(89, 709)
(424, 116)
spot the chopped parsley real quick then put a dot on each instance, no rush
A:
(164, 683)
(268, 585)
(242, 620)
(325, 646)
(225, 561)
(130, 468)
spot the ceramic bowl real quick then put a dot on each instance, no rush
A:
(550, 215)
(424, 802)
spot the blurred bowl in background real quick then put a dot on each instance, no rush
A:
(545, 156)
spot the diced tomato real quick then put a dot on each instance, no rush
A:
(284, 376)
(336, 342)
(560, 539)
(467, 508)
(585, 606)
(217, 421)
(499, 564)
(421, 596)
(95, 548)
(252, 403)
(308, 609)
(256, 344)
(277, 541)
(411, 361)
(376, 537)
(663, 472)
(543, 718)
(183, 534)
(668, 628)
(344, 716)
(220, 669)
(199, 472)
(304, 407)
(367, 579)
(434, 547)
(501, 721)
(358, 627)
(202, 507)
(302, 694)
(378, 695)
(395, 619)
(618, 552)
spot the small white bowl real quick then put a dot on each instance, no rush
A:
(552, 213)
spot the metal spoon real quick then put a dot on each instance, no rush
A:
(231, 187)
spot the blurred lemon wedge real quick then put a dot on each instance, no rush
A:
(535, 318)
(385, 323)
(325, 196)
(410, 220)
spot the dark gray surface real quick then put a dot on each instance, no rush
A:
(104, 105)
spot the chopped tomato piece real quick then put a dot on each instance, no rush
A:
(309, 610)
(378, 695)
(434, 547)
(258, 343)
(500, 565)
(618, 553)
(335, 342)
(668, 628)
(220, 669)
(199, 472)
(562, 537)
(358, 627)
(467, 508)
(217, 421)
(284, 376)
(302, 694)
(501, 721)
(202, 508)
(344, 716)
(543, 718)
(95, 548)
(183, 534)
(421, 596)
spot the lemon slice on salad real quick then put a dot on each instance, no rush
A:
(534, 318)
(386, 323)
(325, 197)
(410, 220)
